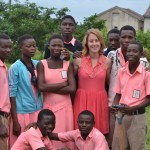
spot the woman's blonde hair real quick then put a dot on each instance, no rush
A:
(85, 41)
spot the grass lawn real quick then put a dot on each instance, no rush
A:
(148, 133)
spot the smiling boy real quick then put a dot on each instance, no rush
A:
(86, 137)
(37, 139)
(133, 91)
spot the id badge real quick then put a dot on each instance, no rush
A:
(64, 74)
(136, 94)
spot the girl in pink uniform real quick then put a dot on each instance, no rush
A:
(93, 71)
(25, 99)
(56, 81)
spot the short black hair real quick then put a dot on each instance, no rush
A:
(4, 36)
(140, 46)
(55, 36)
(87, 112)
(68, 17)
(128, 27)
(24, 37)
(44, 112)
(113, 31)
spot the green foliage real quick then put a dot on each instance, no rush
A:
(144, 39)
(41, 22)
(88, 23)
(28, 18)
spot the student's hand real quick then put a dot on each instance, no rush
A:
(127, 109)
(16, 128)
(3, 131)
(112, 109)
(77, 54)
(34, 125)
(65, 53)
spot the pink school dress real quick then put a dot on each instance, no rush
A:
(60, 104)
(91, 94)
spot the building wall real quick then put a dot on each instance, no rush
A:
(117, 18)
(146, 24)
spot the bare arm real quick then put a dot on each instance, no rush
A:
(54, 136)
(45, 87)
(128, 109)
(16, 125)
(108, 65)
(71, 82)
(117, 99)
(76, 65)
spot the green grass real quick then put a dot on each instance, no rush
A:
(148, 133)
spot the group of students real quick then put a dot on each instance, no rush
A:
(104, 87)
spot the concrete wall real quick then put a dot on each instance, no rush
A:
(117, 18)
(146, 24)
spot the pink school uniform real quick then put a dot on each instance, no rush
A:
(28, 117)
(91, 94)
(94, 141)
(133, 89)
(4, 92)
(4, 102)
(32, 139)
(60, 104)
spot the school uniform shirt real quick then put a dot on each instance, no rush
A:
(27, 99)
(32, 139)
(94, 141)
(133, 87)
(4, 91)
(118, 62)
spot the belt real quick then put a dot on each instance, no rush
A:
(137, 112)
(4, 114)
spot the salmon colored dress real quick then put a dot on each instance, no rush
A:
(60, 104)
(91, 94)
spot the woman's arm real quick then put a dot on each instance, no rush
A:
(71, 82)
(108, 66)
(45, 87)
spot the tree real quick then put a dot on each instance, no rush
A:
(41, 22)
(88, 23)
(18, 19)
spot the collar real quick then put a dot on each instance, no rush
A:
(138, 69)
(2, 64)
(71, 42)
(89, 136)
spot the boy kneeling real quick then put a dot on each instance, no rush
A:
(86, 137)
(37, 138)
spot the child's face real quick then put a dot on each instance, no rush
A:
(67, 27)
(55, 47)
(5, 48)
(133, 53)
(28, 47)
(126, 37)
(113, 41)
(47, 124)
(85, 123)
